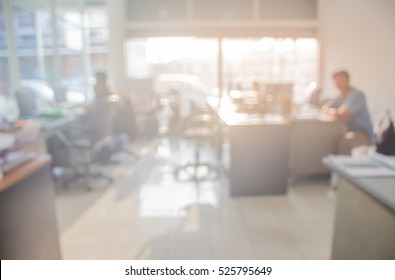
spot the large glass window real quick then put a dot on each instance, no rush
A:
(271, 60)
(83, 48)
(66, 62)
(175, 61)
(244, 61)
(97, 24)
(4, 75)
(28, 27)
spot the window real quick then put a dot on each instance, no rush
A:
(181, 61)
(266, 59)
(272, 60)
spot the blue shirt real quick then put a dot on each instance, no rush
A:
(355, 103)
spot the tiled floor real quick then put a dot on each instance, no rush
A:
(146, 214)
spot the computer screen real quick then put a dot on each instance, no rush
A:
(34, 96)
(283, 91)
(278, 97)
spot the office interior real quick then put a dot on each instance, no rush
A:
(210, 143)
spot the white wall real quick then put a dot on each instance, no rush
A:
(359, 36)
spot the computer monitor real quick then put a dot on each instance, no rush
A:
(278, 97)
(33, 96)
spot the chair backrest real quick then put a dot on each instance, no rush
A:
(386, 135)
(101, 121)
(125, 119)
(203, 120)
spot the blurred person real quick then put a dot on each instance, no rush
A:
(175, 116)
(102, 89)
(103, 93)
(350, 106)
(124, 126)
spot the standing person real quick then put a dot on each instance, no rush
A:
(350, 106)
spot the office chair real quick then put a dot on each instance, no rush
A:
(385, 134)
(125, 129)
(201, 128)
(96, 136)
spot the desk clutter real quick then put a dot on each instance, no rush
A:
(263, 98)
(19, 142)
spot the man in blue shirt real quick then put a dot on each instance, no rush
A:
(351, 107)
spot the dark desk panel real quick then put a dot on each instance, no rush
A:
(268, 149)
(259, 151)
(28, 226)
(311, 140)
(259, 159)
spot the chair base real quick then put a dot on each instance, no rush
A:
(120, 155)
(192, 172)
(78, 175)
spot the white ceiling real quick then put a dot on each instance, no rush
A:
(62, 4)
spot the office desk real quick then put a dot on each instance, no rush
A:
(312, 139)
(365, 216)
(267, 150)
(259, 152)
(51, 126)
(28, 226)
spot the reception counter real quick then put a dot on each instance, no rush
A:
(365, 213)
(266, 150)
(259, 155)
(28, 226)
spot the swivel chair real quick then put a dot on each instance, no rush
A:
(201, 128)
(125, 130)
(97, 134)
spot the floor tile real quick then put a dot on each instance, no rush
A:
(147, 214)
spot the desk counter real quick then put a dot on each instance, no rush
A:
(259, 153)
(267, 149)
(381, 188)
(27, 212)
(365, 216)
(23, 171)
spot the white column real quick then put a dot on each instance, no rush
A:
(55, 46)
(256, 10)
(12, 48)
(86, 53)
(116, 55)
(39, 45)
(190, 10)
(220, 71)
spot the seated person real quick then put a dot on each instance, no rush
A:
(103, 93)
(102, 89)
(99, 120)
(351, 107)
(124, 123)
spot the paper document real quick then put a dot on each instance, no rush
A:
(371, 172)
(384, 160)
(372, 166)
